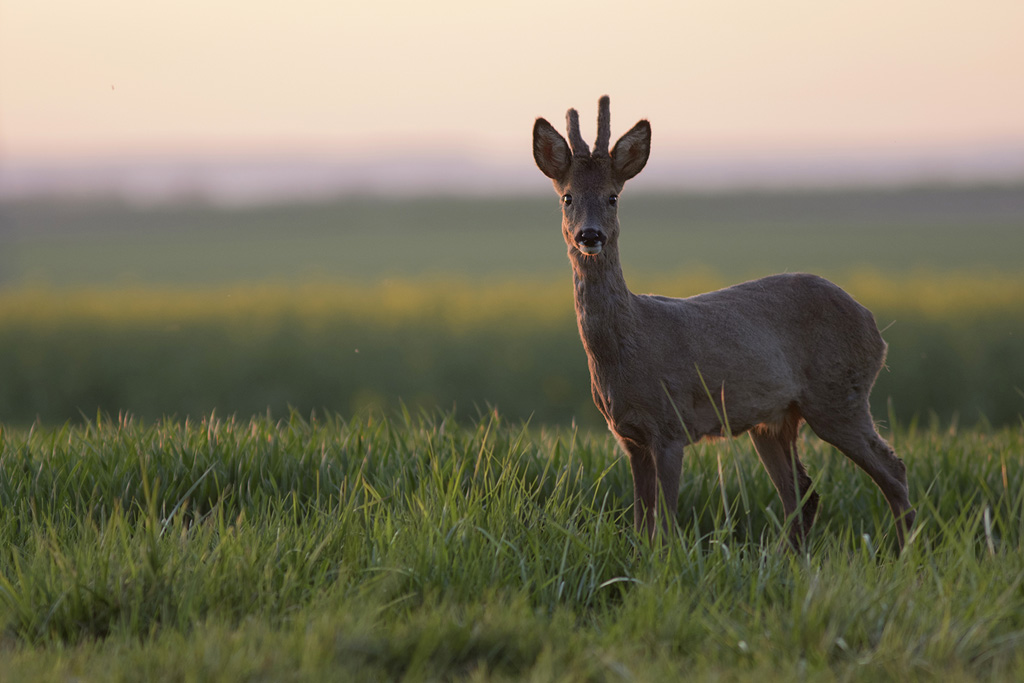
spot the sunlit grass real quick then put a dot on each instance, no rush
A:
(422, 547)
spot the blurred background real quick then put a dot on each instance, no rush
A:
(239, 207)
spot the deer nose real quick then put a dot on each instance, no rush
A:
(590, 240)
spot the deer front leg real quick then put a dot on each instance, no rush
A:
(655, 487)
(670, 464)
(645, 489)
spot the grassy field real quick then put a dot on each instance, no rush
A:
(353, 530)
(368, 302)
(955, 349)
(735, 235)
(424, 548)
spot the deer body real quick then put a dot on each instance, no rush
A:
(762, 356)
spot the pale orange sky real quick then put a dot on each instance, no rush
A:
(123, 77)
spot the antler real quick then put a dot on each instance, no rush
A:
(604, 130)
(576, 143)
(604, 127)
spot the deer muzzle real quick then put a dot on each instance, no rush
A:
(590, 241)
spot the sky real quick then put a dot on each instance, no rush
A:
(123, 78)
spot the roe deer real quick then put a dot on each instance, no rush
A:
(775, 352)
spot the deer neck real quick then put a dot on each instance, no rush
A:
(604, 305)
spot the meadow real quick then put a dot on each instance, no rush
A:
(354, 441)
(955, 349)
(735, 235)
(182, 310)
(422, 547)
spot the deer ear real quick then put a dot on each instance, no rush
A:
(550, 151)
(629, 156)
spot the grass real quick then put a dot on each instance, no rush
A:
(363, 303)
(953, 338)
(425, 547)
(473, 546)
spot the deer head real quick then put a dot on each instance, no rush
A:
(588, 182)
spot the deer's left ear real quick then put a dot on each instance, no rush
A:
(629, 156)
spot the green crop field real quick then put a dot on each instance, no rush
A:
(956, 351)
(424, 548)
(181, 310)
(354, 441)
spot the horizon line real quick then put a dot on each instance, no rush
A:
(266, 177)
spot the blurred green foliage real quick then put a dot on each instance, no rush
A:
(184, 309)
(737, 235)
(955, 349)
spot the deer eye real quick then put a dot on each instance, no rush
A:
(566, 199)
(614, 200)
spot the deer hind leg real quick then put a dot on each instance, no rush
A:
(776, 447)
(670, 464)
(858, 440)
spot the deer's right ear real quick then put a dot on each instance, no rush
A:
(550, 151)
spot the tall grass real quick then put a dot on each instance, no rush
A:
(426, 547)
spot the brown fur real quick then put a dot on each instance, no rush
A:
(761, 356)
